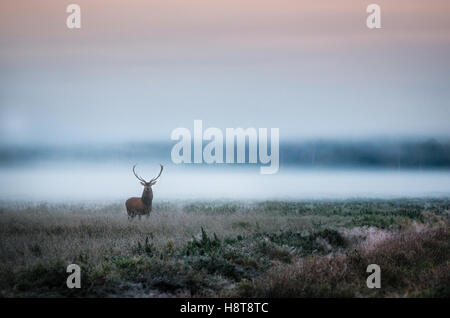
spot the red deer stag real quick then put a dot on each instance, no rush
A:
(143, 205)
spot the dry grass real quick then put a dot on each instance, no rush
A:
(413, 264)
(69, 231)
(270, 249)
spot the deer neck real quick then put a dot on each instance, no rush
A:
(147, 197)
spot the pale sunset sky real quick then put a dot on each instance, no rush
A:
(138, 69)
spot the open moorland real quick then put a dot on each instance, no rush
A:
(317, 248)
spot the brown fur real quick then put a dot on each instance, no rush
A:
(140, 206)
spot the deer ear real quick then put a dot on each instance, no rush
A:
(153, 183)
(143, 183)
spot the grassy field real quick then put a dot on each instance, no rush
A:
(228, 249)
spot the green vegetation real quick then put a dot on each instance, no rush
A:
(231, 249)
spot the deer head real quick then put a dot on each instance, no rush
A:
(147, 184)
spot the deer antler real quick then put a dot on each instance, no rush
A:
(139, 178)
(154, 179)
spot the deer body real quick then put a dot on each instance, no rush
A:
(143, 205)
(140, 206)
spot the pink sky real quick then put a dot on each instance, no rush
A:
(36, 29)
(283, 63)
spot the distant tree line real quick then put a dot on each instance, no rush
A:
(320, 153)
